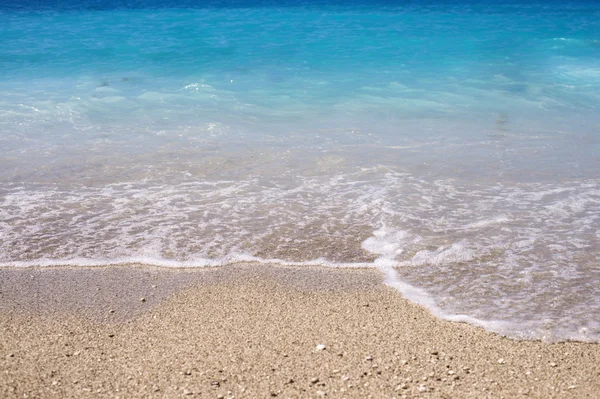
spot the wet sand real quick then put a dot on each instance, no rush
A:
(254, 331)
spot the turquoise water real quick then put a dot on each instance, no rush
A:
(454, 146)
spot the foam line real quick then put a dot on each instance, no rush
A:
(169, 263)
(421, 297)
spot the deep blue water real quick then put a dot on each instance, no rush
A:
(453, 145)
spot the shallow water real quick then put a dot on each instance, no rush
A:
(453, 146)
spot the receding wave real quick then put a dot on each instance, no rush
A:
(500, 254)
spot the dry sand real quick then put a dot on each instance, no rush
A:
(252, 331)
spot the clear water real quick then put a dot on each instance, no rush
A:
(453, 145)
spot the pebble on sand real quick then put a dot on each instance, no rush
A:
(320, 347)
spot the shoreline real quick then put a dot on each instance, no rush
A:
(247, 330)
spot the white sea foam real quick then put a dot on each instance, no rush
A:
(190, 263)
(487, 222)
(388, 243)
(500, 256)
(455, 253)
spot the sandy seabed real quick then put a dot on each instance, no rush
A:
(257, 331)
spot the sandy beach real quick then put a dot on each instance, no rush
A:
(254, 331)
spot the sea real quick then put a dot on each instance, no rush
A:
(452, 145)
